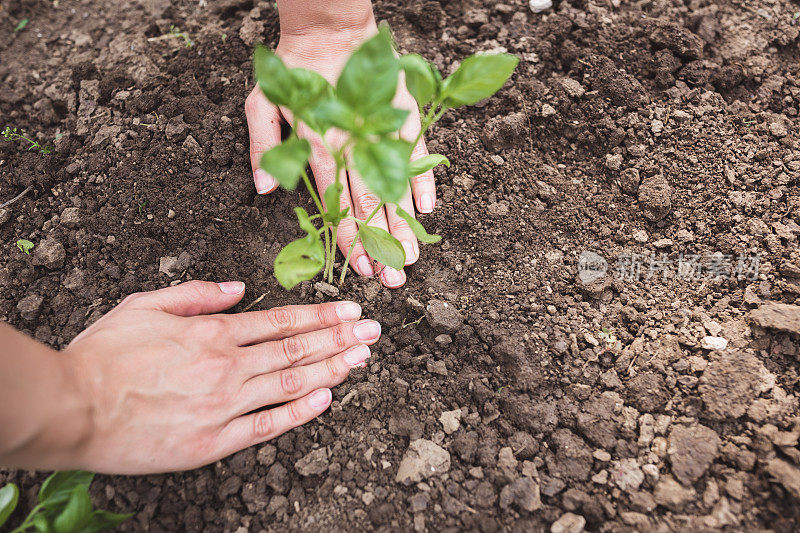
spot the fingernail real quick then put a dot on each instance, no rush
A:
(264, 182)
(364, 267)
(368, 330)
(411, 254)
(320, 398)
(426, 203)
(357, 355)
(231, 287)
(392, 277)
(348, 311)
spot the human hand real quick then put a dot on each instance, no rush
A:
(172, 386)
(325, 48)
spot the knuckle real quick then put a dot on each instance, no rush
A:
(367, 201)
(263, 424)
(132, 298)
(338, 338)
(291, 382)
(294, 349)
(321, 314)
(425, 178)
(294, 414)
(210, 327)
(251, 102)
(281, 318)
(333, 370)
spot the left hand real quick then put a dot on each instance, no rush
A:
(326, 51)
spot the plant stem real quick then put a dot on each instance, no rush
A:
(334, 236)
(312, 192)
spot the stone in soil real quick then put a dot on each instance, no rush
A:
(730, 384)
(523, 492)
(672, 495)
(627, 475)
(773, 315)
(655, 195)
(313, 463)
(785, 474)
(691, 451)
(443, 316)
(49, 253)
(29, 306)
(573, 458)
(71, 217)
(5, 215)
(451, 421)
(647, 392)
(422, 460)
(568, 523)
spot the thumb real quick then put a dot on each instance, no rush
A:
(264, 126)
(191, 298)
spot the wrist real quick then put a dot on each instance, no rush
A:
(342, 19)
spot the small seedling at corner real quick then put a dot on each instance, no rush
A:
(176, 31)
(15, 134)
(21, 25)
(361, 105)
(64, 506)
(24, 246)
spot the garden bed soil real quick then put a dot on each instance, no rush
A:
(649, 128)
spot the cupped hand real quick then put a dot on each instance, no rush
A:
(172, 385)
(327, 52)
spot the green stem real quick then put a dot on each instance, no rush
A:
(28, 520)
(312, 192)
(334, 236)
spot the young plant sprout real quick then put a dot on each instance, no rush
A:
(361, 105)
(15, 134)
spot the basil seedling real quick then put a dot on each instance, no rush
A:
(361, 105)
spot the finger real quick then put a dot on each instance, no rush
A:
(264, 125)
(245, 431)
(281, 322)
(365, 202)
(400, 229)
(307, 348)
(190, 298)
(291, 383)
(422, 186)
(359, 259)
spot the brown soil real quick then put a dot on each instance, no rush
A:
(630, 127)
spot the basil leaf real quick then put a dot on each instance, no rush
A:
(369, 78)
(383, 166)
(425, 163)
(381, 246)
(57, 488)
(76, 513)
(385, 120)
(287, 161)
(478, 77)
(272, 76)
(417, 228)
(332, 112)
(299, 260)
(307, 89)
(421, 81)
(9, 496)
(103, 520)
(41, 524)
(305, 221)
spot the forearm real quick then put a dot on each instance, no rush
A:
(43, 417)
(304, 17)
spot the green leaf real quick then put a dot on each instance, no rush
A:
(300, 260)
(58, 487)
(333, 200)
(381, 246)
(421, 78)
(9, 496)
(417, 228)
(369, 79)
(304, 220)
(25, 245)
(103, 520)
(331, 112)
(383, 166)
(41, 524)
(21, 25)
(478, 77)
(76, 513)
(287, 161)
(272, 76)
(384, 120)
(308, 88)
(424, 164)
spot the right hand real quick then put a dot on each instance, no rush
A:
(173, 386)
